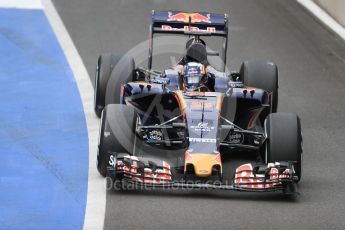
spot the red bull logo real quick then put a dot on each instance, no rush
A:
(185, 17)
(189, 28)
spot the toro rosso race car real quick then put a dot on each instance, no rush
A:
(189, 125)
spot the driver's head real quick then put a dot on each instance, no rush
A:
(193, 75)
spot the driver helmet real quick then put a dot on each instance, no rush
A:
(193, 75)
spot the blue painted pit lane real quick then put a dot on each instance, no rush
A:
(43, 135)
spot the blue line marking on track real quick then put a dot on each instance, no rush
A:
(43, 135)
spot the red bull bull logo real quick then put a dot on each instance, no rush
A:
(186, 17)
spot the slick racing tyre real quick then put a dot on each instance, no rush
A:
(284, 139)
(263, 75)
(120, 69)
(117, 133)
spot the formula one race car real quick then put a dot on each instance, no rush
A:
(184, 126)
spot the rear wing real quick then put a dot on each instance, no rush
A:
(198, 23)
(178, 22)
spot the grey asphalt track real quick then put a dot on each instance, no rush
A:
(311, 63)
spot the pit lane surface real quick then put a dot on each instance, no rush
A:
(43, 173)
(311, 63)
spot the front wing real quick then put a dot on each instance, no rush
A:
(153, 173)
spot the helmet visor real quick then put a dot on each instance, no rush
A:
(193, 79)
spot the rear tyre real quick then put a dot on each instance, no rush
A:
(263, 75)
(103, 71)
(117, 134)
(111, 66)
(284, 139)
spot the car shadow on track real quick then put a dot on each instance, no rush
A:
(208, 194)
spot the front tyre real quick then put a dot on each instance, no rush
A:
(117, 134)
(284, 139)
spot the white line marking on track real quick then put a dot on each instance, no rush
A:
(324, 17)
(21, 4)
(96, 196)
